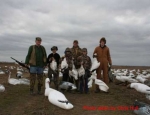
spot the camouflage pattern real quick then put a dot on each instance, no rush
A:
(40, 80)
(33, 79)
(84, 49)
(38, 38)
(76, 52)
(85, 60)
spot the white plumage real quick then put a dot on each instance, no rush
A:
(64, 64)
(81, 71)
(102, 85)
(12, 81)
(95, 64)
(140, 87)
(2, 88)
(53, 65)
(73, 73)
(55, 97)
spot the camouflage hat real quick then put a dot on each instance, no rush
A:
(68, 50)
(54, 48)
(38, 39)
(75, 41)
(84, 49)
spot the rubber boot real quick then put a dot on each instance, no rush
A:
(39, 90)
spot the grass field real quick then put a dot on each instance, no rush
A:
(16, 100)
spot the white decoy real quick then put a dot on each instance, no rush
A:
(95, 63)
(24, 81)
(2, 72)
(102, 85)
(126, 79)
(19, 74)
(122, 78)
(142, 108)
(2, 88)
(141, 79)
(147, 76)
(55, 97)
(53, 65)
(64, 64)
(81, 71)
(12, 81)
(140, 87)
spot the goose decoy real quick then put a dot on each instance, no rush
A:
(2, 88)
(55, 97)
(143, 108)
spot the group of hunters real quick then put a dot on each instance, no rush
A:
(37, 60)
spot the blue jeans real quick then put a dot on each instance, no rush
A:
(36, 70)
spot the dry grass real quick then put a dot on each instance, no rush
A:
(17, 101)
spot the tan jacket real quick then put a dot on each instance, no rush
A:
(103, 55)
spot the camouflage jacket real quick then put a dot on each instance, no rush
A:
(76, 52)
(85, 60)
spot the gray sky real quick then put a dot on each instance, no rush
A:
(124, 23)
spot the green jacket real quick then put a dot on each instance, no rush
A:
(36, 56)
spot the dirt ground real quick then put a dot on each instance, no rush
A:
(16, 100)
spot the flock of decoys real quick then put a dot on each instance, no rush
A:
(139, 80)
(15, 81)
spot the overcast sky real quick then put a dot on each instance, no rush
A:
(124, 23)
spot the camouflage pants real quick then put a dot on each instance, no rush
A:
(53, 76)
(33, 79)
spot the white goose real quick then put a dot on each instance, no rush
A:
(102, 85)
(12, 81)
(81, 71)
(55, 97)
(2, 88)
(95, 63)
(64, 64)
(53, 65)
(73, 73)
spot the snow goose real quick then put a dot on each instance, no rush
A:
(73, 73)
(81, 71)
(64, 64)
(100, 83)
(53, 65)
(95, 63)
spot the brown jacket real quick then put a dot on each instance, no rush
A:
(103, 55)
